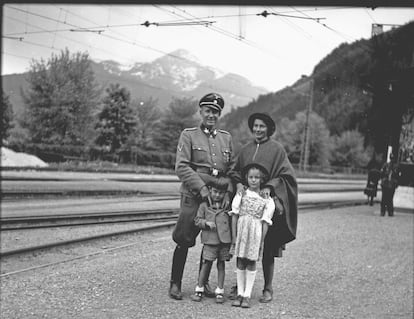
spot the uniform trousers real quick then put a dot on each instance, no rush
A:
(184, 234)
(387, 200)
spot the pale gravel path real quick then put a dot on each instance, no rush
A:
(346, 263)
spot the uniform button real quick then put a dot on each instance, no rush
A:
(214, 154)
(212, 144)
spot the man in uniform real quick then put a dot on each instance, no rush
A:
(389, 182)
(203, 153)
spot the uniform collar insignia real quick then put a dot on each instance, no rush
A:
(207, 131)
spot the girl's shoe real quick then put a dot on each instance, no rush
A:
(197, 296)
(237, 302)
(219, 298)
(245, 302)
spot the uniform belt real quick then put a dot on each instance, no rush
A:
(210, 171)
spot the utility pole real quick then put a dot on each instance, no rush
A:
(304, 154)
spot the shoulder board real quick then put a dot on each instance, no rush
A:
(190, 129)
(223, 131)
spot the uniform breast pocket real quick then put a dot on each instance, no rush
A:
(199, 154)
(226, 154)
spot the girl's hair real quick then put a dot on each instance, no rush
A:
(263, 172)
(263, 175)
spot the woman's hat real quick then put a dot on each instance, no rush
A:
(261, 168)
(271, 126)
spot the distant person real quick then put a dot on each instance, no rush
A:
(203, 152)
(251, 216)
(389, 182)
(282, 186)
(372, 185)
(214, 221)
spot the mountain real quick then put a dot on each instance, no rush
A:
(177, 74)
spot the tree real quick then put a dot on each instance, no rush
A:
(147, 117)
(61, 99)
(115, 121)
(349, 150)
(6, 117)
(290, 135)
(179, 115)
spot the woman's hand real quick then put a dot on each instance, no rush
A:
(265, 192)
(240, 189)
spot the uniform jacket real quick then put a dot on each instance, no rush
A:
(197, 149)
(389, 175)
(273, 157)
(222, 233)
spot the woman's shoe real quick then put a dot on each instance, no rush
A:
(237, 302)
(175, 291)
(245, 302)
(266, 297)
(197, 296)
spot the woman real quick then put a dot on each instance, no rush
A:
(282, 186)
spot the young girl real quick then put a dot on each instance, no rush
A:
(251, 216)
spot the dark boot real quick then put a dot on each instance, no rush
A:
(177, 269)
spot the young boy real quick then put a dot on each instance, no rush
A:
(214, 221)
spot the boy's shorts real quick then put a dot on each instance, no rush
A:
(219, 252)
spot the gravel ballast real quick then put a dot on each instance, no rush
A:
(346, 263)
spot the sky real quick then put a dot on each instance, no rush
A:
(272, 52)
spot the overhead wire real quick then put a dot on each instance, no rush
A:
(182, 93)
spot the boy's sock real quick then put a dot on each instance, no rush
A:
(250, 277)
(219, 291)
(241, 281)
(199, 289)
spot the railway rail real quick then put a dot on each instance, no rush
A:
(158, 219)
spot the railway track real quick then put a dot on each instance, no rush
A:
(156, 220)
(36, 222)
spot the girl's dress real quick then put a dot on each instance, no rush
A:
(252, 210)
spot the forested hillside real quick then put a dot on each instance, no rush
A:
(344, 83)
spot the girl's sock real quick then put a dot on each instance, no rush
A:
(241, 281)
(250, 277)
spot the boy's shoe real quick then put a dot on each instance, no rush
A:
(237, 302)
(245, 302)
(197, 296)
(219, 298)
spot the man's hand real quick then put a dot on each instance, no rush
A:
(205, 195)
(211, 225)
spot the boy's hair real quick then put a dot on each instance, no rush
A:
(219, 183)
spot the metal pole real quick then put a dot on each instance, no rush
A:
(307, 128)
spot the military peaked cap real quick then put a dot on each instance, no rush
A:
(213, 100)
